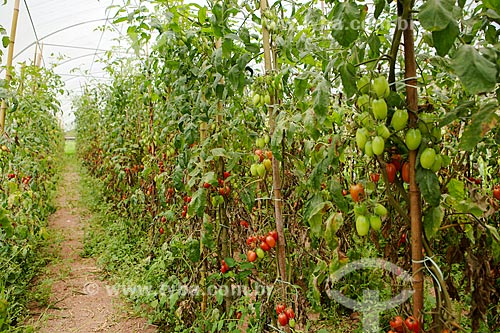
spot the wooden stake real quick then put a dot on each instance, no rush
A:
(10, 57)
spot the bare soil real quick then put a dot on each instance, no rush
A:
(79, 301)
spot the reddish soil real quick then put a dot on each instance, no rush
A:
(79, 301)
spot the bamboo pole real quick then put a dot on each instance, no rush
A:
(10, 56)
(415, 196)
(39, 56)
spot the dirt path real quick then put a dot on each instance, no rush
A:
(79, 301)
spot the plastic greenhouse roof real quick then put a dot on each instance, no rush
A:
(72, 35)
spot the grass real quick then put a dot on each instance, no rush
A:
(70, 147)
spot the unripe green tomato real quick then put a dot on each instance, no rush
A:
(399, 119)
(253, 170)
(369, 149)
(379, 108)
(261, 170)
(438, 162)
(256, 99)
(380, 210)
(427, 158)
(364, 84)
(378, 145)
(291, 322)
(381, 87)
(266, 139)
(375, 222)
(260, 143)
(363, 102)
(260, 253)
(361, 138)
(362, 225)
(383, 131)
(267, 99)
(413, 138)
(436, 133)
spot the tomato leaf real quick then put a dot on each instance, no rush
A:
(432, 220)
(428, 183)
(198, 203)
(477, 73)
(316, 223)
(5, 41)
(456, 189)
(348, 76)
(444, 39)
(321, 99)
(193, 251)
(344, 14)
(379, 7)
(481, 123)
(436, 15)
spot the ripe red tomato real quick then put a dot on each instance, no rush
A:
(273, 234)
(226, 174)
(496, 192)
(396, 160)
(238, 315)
(251, 240)
(397, 324)
(251, 256)
(390, 168)
(206, 185)
(223, 267)
(357, 192)
(258, 152)
(282, 319)
(405, 172)
(244, 224)
(161, 230)
(280, 308)
(270, 241)
(412, 324)
(375, 177)
(289, 313)
(264, 246)
(222, 191)
(344, 192)
(163, 219)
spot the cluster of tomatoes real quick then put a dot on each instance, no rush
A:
(398, 325)
(25, 180)
(286, 316)
(223, 266)
(266, 243)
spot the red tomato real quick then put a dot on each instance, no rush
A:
(238, 315)
(226, 174)
(206, 185)
(251, 256)
(357, 192)
(405, 172)
(251, 240)
(375, 177)
(289, 313)
(344, 192)
(274, 234)
(396, 160)
(161, 231)
(397, 324)
(264, 246)
(412, 324)
(280, 308)
(244, 223)
(270, 241)
(496, 192)
(282, 319)
(223, 267)
(390, 168)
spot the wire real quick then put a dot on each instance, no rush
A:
(100, 38)
(34, 30)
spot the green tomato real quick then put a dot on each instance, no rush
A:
(436, 133)
(261, 170)
(260, 253)
(438, 162)
(362, 225)
(380, 210)
(363, 102)
(267, 99)
(256, 99)
(366, 119)
(379, 108)
(266, 139)
(399, 119)
(369, 149)
(361, 138)
(378, 145)
(260, 143)
(291, 322)
(413, 138)
(427, 158)
(383, 131)
(375, 222)
(364, 84)
(253, 170)
(381, 87)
